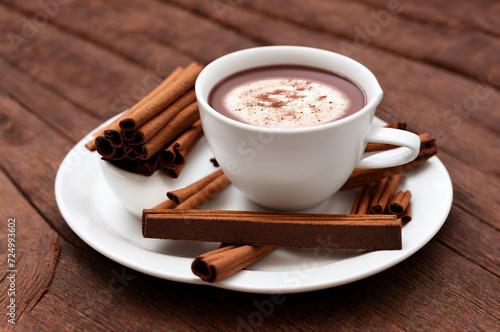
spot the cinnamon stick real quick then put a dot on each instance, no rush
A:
(182, 121)
(200, 188)
(181, 195)
(329, 231)
(145, 167)
(399, 203)
(173, 91)
(114, 127)
(109, 150)
(150, 128)
(362, 199)
(381, 199)
(173, 158)
(225, 261)
(113, 137)
(379, 190)
(406, 217)
(361, 176)
(206, 193)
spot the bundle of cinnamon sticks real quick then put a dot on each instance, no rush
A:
(383, 198)
(159, 131)
(377, 202)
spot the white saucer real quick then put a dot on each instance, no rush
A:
(99, 219)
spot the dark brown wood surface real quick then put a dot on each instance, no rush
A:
(67, 65)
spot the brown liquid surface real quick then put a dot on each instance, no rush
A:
(286, 96)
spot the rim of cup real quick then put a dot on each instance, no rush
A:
(294, 55)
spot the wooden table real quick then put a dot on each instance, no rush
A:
(66, 66)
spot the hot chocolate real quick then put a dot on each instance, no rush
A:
(286, 96)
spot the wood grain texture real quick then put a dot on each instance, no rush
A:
(35, 252)
(383, 27)
(478, 15)
(61, 115)
(395, 73)
(92, 59)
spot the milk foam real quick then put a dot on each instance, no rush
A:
(286, 103)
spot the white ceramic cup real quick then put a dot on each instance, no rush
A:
(297, 168)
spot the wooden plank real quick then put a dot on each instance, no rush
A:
(452, 46)
(480, 200)
(414, 295)
(109, 23)
(444, 289)
(428, 286)
(482, 14)
(88, 75)
(462, 228)
(89, 20)
(33, 250)
(31, 153)
(455, 134)
(486, 210)
(59, 113)
(92, 293)
(451, 92)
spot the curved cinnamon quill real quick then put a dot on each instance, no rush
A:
(173, 158)
(181, 195)
(182, 121)
(109, 150)
(114, 127)
(150, 128)
(406, 217)
(399, 203)
(226, 261)
(170, 93)
(362, 200)
(205, 194)
(385, 193)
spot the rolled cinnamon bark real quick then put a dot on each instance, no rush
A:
(114, 127)
(406, 217)
(114, 137)
(379, 189)
(380, 200)
(181, 195)
(208, 192)
(145, 167)
(108, 150)
(182, 121)
(150, 128)
(173, 158)
(361, 176)
(225, 261)
(399, 203)
(362, 200)
(365, 232)
(170, 93)
(177, 151)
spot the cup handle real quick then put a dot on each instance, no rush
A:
(409, 147)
